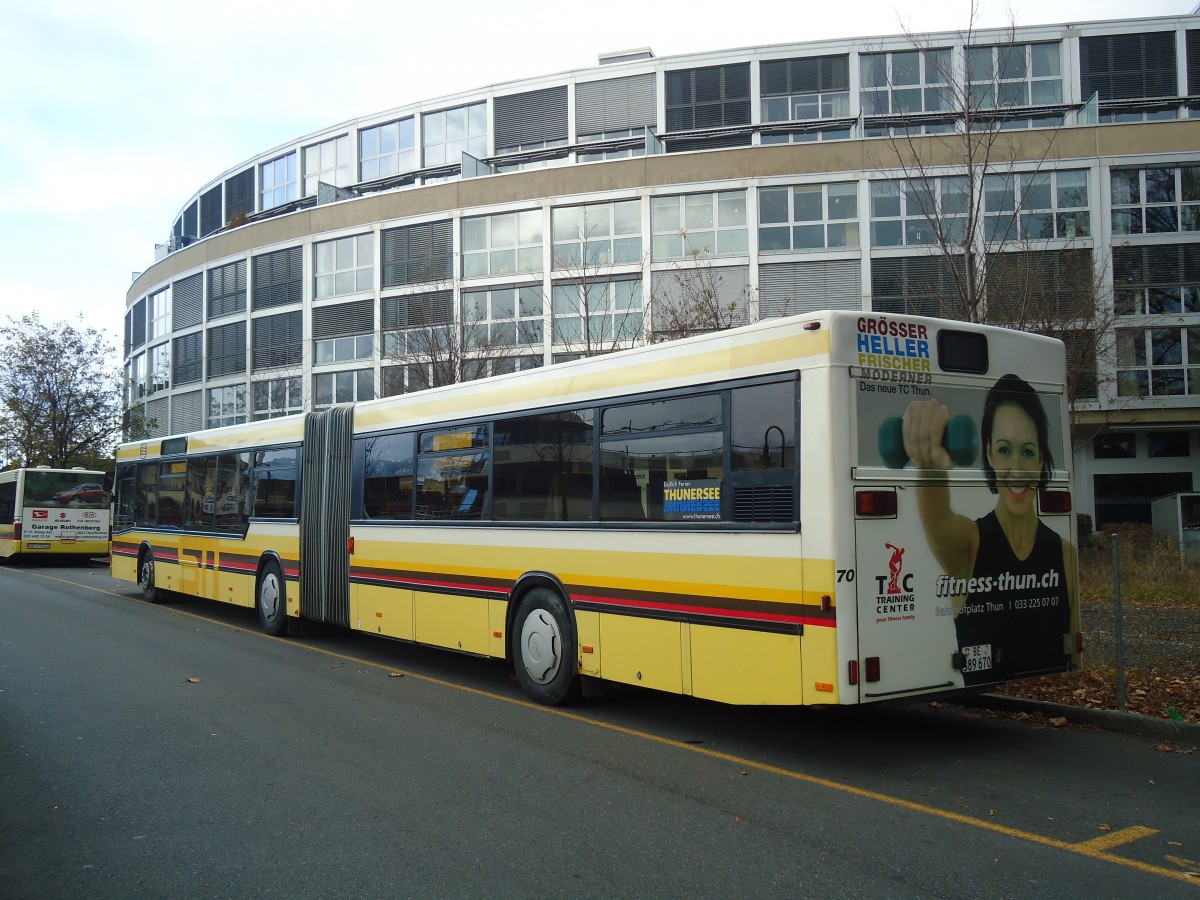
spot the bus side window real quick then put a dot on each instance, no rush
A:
(274, 478)
(231, 488)
(542, 467)
(764, 427)
(452, 474)
(387, 476)
(124, 515)
(171, 479)
(198, 502)
(145, 504)
(764, 483)
(8, 502)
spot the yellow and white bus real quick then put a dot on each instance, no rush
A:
(799, 511)
(54, 512)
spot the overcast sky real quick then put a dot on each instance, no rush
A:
(113, 112)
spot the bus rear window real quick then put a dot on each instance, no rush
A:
(962, 351)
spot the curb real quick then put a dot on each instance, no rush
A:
(1107, 719)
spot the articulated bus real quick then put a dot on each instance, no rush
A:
(836, 508)
(54, 512)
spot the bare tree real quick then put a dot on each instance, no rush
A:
(1006, 236)
(438, 346)
(596, 306)
(691, 301)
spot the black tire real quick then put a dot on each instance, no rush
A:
(542, 648)
(151, 592)
(270, 596)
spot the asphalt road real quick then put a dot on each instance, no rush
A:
(175, 751)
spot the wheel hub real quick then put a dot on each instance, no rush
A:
(541, 646)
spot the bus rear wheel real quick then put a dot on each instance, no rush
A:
(271, 600)
(542, 648)
(151, 593)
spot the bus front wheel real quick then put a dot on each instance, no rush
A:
(543, 647)
(151, 592)
(272, 600)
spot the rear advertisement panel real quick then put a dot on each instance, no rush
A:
(969, 577)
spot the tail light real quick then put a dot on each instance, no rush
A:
(16, 531)
(853, 671)
(871, 664)
(875, 503)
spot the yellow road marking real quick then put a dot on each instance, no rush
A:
(1117, 838)
(1096, 848)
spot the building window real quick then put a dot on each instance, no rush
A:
(1124, 67)
(227, 289)
(1162, 279)
(278, 182)
(623, 135)
(1168, 444)
(226, 405)
(534, 120)
(329, 161)
(1015, 75)
(278, 278)
(137, 326)
(805, 90)
(1158, 362)
(158, 320)
(449, 133)
(808, 217)
(598, 316)
(503, 244)
(415, 323)
(210, 211)
(239, 196)
(417, 253)
(227, 349)
(906, 83)
(159, 371)
(189, 358)
(344, 266)
(187, 302)
(601, 234)
(277, 340)
(503, 317)
(909, 213)
(1115, 445)
(924, 285)
(699, 225)
(343, 387)
(1162, 200)
(387, 150)
(343, 349)
(615, 110)
(1036, 205)
(712, 97)
(137, 377)
(278, 397)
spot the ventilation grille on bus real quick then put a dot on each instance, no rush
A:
(764, 503)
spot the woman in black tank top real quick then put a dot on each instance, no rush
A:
(1018, 575)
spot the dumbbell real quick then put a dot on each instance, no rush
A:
(961, 441)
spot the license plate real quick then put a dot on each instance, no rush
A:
(977, 658)
(37, 546)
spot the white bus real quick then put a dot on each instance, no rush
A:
(54, 512)
(837, 508)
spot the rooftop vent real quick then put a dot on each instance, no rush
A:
(620, 56)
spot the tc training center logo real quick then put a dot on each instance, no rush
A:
(893, 592)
